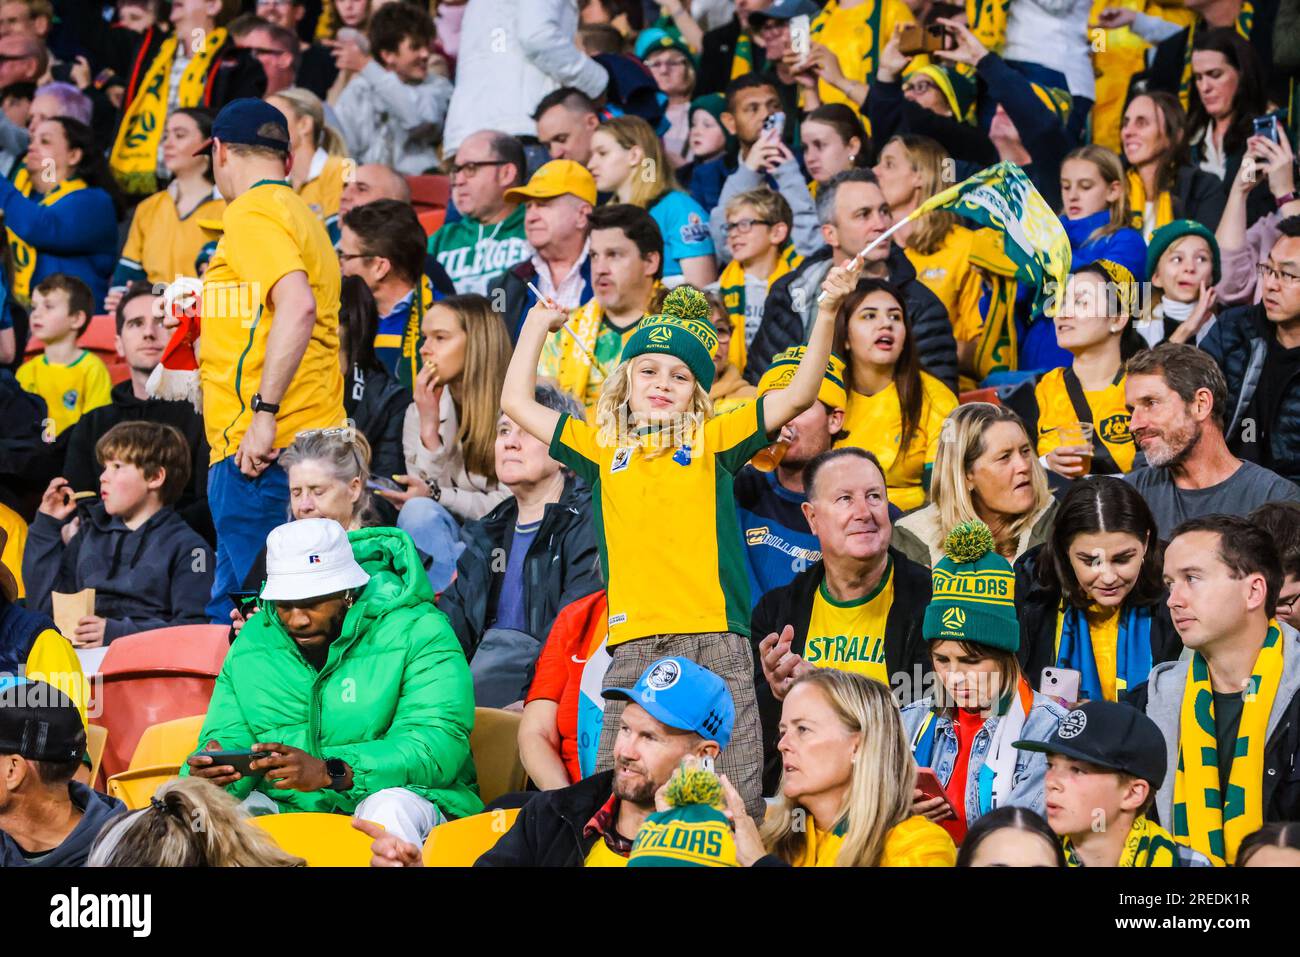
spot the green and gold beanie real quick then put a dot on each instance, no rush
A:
(1128, 294)
(682, 330)
(957, 90)
(973, 592)
(693, 832)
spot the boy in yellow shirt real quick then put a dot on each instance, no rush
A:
(71, 380)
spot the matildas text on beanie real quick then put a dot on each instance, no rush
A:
(681, 330)
(973, 592)
(693, 832)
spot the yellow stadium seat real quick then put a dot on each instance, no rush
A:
(137, 786)
(460, 843)
(168, 742)
(96, 738)
(494, 742)
(322, 840)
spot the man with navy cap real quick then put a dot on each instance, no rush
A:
(46, 818)
(677, 709)
(1105, 762)
(268, 351)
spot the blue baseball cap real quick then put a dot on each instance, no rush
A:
(249, 122)
(685, 696)
(785, 10)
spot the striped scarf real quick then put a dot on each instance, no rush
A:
(1211, 823)
(1132, 651)
(1244, 24)
(732, 287)
(1137, 202)
(134, 159)
(742, 60)
(22, 252)
(996, 350)
(1147, 845)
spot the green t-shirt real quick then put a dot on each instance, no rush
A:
(475, 253)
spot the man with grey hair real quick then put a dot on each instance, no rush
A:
(526, 559)
(853, 211)
(1178, 399)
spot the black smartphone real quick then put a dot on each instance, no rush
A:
(377, 483)
(239, 760)
(242, 600)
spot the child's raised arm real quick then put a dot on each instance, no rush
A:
(782, 405)
(518, 395)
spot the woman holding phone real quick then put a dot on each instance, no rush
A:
(965, 731)
(1092, 599)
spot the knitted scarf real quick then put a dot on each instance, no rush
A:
(24, 254)
(1137, 202)
(1212, 823)
(1132, 653)
(732, 287)
(1147, 845)
(134, 159)
(742, 60)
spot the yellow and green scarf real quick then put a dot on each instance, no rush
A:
(997, 348)
(1137, 202)
(1212, 823)
(1244, 24)
(1147, 845)
(134, 159)
(742, 60)
(732, 287)
(22, 252)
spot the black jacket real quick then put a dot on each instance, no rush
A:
(718, 47)
(513, 286)
(376, 403)
(792, 605)
(1199, 195)
(1239, 342)
(1037, 606)
(783, 325)
(548, 831)
(97, 810)
(890, 112)
(560, 566)
(82, 469)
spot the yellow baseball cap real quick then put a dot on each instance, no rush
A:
(555, 179)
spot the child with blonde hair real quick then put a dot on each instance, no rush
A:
(661, 469)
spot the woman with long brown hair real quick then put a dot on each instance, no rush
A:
(895, 410)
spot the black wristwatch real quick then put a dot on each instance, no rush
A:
(338, 772)
(258, 405)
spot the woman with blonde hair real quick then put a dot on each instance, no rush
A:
(320, 157)
(986, 468)
(628, 161)
(188, 823)
(956, 263)
(846, 795)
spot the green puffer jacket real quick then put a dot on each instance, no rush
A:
(395, 699)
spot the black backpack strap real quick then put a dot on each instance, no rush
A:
(1102, 462)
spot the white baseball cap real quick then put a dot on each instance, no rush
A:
(310, 558)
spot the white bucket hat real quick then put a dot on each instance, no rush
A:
(310, 558)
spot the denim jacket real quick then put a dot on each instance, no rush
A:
(1031, 766)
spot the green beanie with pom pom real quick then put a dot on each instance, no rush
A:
(693, 832)
(682, 330)
(973, 592)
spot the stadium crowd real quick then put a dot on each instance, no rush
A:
(630, 375)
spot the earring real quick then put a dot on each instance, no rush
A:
(852, 157)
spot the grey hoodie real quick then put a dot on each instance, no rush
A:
(97, 809)
(156, 576)
(1165, 702)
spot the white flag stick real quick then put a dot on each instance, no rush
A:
(566, 327)
(877, 241)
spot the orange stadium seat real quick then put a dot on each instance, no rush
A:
(494, 742)
(153, 677)
(980, 395)
(430, 196)
(460, 843)
(322, 840)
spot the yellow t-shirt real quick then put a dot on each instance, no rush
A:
(856, 35)
(324, 187)
(161, 243)
(875, 423)
(850, 635)
(670, 541)
(947, 272)
(69, 391)
(268, 233)
(1109, 416)
(601, 856)
(914, 842)
(15, 530)
(1103, 632)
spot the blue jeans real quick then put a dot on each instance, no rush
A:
(244, 511)
(437, 536)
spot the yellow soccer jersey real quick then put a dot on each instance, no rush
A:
(670, 542)
(850, 636)
(268, 233)
(875, 423)
(856, 35)
(1109, 416)
(69, 391)
(324, 187)
(162, 244)
(947, 272)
